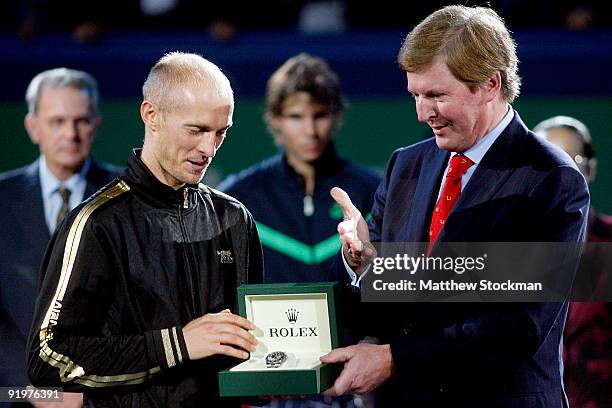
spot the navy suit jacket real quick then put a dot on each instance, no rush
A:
(488, 354)
(23, 240)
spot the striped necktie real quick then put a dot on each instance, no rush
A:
(65, 208)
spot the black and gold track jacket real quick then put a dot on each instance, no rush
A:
(123, 274)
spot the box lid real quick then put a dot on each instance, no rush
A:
(298, 318)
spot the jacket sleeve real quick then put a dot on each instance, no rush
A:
(71, 343)
(562, 199)
(255, 256)
(380, 200)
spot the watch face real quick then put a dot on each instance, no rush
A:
(275, 359)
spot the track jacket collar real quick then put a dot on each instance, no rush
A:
(160, 195)
(328, 164)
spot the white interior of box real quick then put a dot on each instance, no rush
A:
(297, 324)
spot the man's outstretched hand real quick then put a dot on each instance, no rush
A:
(353, 230)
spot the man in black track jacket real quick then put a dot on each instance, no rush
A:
(135, 305)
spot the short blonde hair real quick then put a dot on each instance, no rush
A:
(473, 41)
(176, 69)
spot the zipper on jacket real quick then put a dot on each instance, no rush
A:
(192, 273)
(308, 206)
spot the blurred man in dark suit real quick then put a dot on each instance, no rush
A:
(588, 331)
(63, 120)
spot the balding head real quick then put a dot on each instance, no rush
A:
(187, 110)
(177, 70)
(574, 138)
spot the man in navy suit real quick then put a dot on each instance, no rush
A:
(483, 177)
(62, 120)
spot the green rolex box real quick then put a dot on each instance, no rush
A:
(299, 319)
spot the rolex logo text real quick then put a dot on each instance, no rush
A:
(292, 317)
(293, 332)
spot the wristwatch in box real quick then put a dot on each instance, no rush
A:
(296, 324)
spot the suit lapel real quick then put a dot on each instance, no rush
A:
(32, 213)
(97, 177)
(425, 195)
(93, 180)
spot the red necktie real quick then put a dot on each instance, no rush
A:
(459, 164)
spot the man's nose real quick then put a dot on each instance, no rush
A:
(71, 129)
(208, 146)
(309, 126)
(425, 109)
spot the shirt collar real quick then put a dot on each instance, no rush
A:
(49, 183)
(477, 152)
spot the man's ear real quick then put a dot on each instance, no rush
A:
(31, 124)
(592, 169)
(337, 122)
(493, 87)
(274, 122)
(149, 114)
(97, 123)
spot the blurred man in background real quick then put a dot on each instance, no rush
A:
(63, 119)
(288, 194)
(588, 331)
